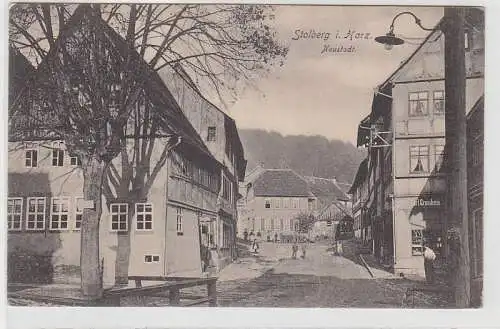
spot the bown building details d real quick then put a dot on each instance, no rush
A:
(399, 193)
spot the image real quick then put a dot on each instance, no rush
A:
(245, 155)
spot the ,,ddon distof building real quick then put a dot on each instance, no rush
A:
(399, 191)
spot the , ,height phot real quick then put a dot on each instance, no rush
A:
(245, 155)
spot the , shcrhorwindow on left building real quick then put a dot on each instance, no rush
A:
(78, 213)
(14, 213)
(59, 213)
(31, 158)
(211, 134)
(119, 217)
(57, 154)
(35, 214)
(179, 227)
(144, 216)
(75, 160)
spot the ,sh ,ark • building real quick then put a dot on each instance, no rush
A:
(475, 178)
(405, 136)
(332, 205)
(330, 219)
(151, 229)
(359, 194)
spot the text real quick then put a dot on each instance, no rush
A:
(338, 49)
(311, 34)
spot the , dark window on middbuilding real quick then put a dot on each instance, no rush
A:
(477, 151)
(438, 97)
(477, 248)
(57, 154)
(227, 190)
(211, 134)
(439, 157)
(310, 204)
(75, 161)
(31, 159)
(179, 227)
(78, 214)
(151, 259)
(114, 97)
(184, 166)
(418, 103)
(268, 204)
